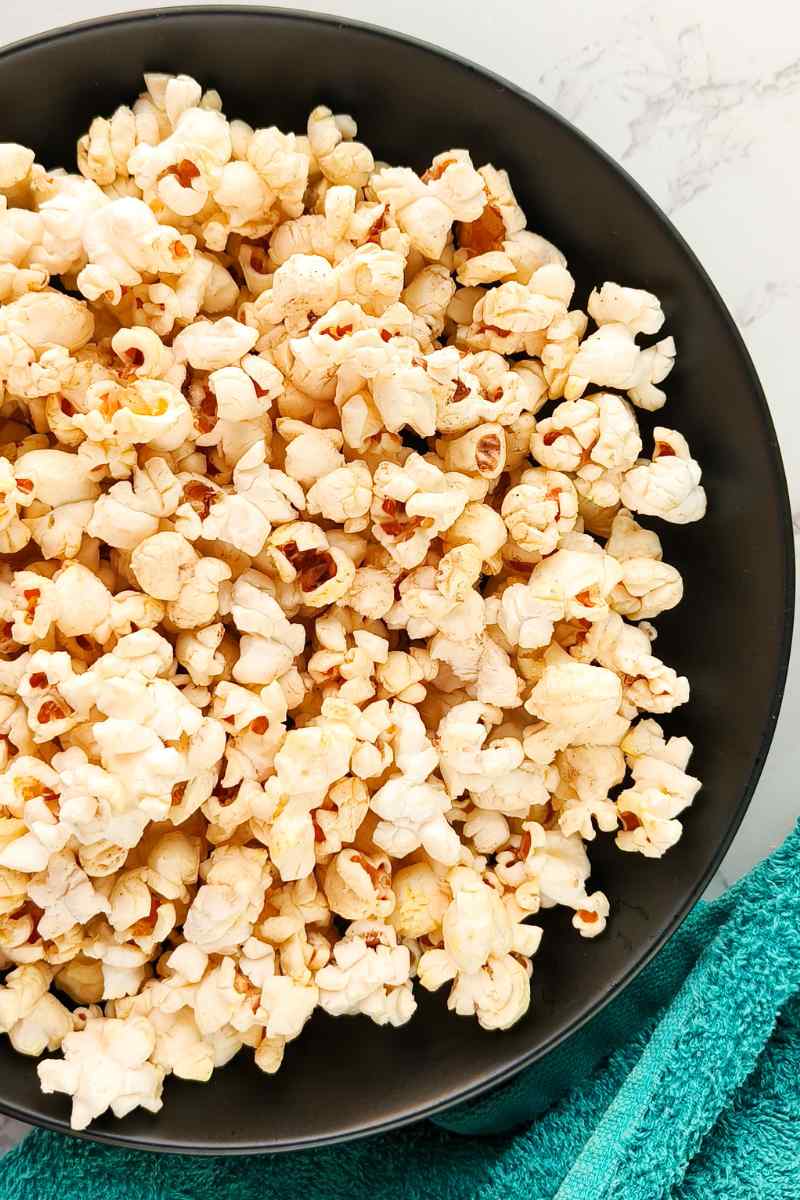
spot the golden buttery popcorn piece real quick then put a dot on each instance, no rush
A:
(325, 607)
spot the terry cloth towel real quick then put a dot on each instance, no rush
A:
(699, 1102)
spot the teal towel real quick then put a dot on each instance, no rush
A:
(699, 1100)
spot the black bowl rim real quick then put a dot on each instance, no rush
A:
(260, 12)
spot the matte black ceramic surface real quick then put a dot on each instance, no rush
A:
(730, 635)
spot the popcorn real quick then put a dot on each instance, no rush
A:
(342, 161)
(223, 912)
(180, 1048)
(629, 540)
(269, 642)
(515, 309)
(346, 806)
(475, 924)
(481, 526)
(310, 453)
(217, 1002)
(487, 830)
(44, 1027)
(661, 790)
(311, 614)
(211, 345)
(652, 367)
(106, 1065)
(640, 311)
(197, 601)
(65, 895)
(198, 652)
(575, 696)
(541, 507)
(421, 900)
(369, 974)
(482, 452)
(286, 1005)
(21, 991)
(238, 398)
(478, 938)
(413, 814)
(308, 234)
(312, 758)
(83, 602)
(122, 241)
(47, 318)
(411, 505)
(204, 286)
(15, 164)
(502, 201)
(648, 683)
(147, 411)
(426, 208)
(33, 1018)
(277, 497)
(419, 213)
(608, 358)
(45, 691)
(647, 589)
(429, 294)
(323, 573)
(498, 995)
(300, 911)
(558, 868)
(30, 607)
(81, 979)
(104, 151)
(496, 681)
(136, 754)
(587, 775)
(596, 437)
(357, 886)
(128, 513)
(163, 564)
(465, 762)
(453, 179)
(54, 478)
(341, 495)
(669, 485)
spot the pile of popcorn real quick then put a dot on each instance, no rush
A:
(326, 641)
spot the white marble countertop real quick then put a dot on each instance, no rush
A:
(702, 106)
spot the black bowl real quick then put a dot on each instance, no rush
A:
(730, 636)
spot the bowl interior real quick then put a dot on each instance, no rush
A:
(730, 635)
